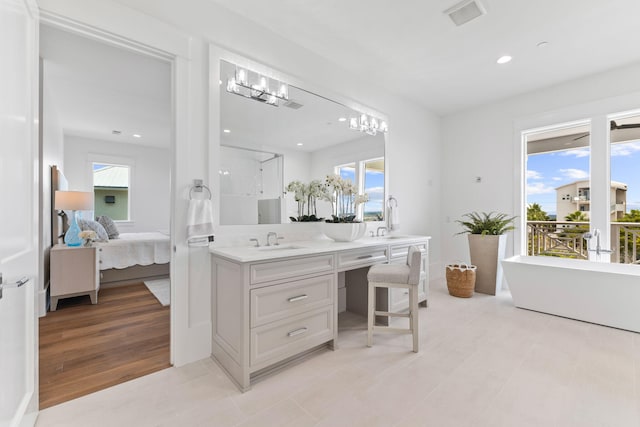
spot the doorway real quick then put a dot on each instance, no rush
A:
(108, 105)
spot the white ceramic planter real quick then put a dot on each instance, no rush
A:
(344, 231)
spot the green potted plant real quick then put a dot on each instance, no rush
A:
(487, 246)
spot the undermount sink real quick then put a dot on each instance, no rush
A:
(279, 247)
(394, 237)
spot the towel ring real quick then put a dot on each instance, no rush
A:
(198, 189)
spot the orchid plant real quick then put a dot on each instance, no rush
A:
(344, 197)
(307, 194)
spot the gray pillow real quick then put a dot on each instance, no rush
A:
(101, 233)
(109, 226)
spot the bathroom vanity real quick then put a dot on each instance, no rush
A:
(274, 304)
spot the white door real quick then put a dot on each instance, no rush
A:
(18, 211)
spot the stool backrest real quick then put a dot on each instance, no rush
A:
(414, 261)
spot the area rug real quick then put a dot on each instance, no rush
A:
(161, 289)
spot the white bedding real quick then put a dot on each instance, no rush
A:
(134, 249)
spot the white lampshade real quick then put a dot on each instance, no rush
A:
(73, 200)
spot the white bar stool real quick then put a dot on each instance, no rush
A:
(404, 276)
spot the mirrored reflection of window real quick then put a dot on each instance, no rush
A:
(348, 172)
(374, 187)
(111, 191)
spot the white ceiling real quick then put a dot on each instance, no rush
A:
(96, 88)
(414, 50)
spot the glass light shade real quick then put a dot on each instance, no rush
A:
(284, 91)
(242, 77)
(353, 123)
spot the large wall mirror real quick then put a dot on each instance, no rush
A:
(264, 147)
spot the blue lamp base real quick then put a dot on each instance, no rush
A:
(71, 237)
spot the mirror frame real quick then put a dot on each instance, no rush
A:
(217, 54)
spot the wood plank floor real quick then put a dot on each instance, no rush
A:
(85, 348)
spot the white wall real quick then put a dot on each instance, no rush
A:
(484, 142)
(149, 178)
(185, 29)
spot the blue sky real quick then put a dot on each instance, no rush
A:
(374, 187)
(547, 171)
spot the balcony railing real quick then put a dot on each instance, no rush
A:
(564, 239)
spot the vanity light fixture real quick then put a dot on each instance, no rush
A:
(251, 84)
(368, 124)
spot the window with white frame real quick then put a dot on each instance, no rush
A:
(111, 189)
(368, 177)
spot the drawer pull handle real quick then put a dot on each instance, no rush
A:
(298, 298)
(297, 332)
(365, 256)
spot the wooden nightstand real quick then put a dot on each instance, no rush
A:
(74, 271)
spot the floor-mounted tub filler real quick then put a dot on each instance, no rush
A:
(602, 293)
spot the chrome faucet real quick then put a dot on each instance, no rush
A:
(274, 234)
(378, 234)
(255, 240)
(590, 235)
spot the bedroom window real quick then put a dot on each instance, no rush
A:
(111, 190)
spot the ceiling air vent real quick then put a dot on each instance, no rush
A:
(465, 11)
(293, 104)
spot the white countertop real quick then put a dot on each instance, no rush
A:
(307, 247)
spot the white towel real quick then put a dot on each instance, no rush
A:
(394, 218)
(199, 222)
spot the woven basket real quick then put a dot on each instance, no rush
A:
(461, 279)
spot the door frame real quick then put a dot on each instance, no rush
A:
(179, 73)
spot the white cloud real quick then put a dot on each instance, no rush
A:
(375, 190)
(556, 178)
(531, 174)
(575, 173)
(625, 149)
(578, 152)
(539, 188)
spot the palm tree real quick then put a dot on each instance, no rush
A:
(535, 213)
(576, 216)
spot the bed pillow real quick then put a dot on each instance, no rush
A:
(109, 226)
(101, 233)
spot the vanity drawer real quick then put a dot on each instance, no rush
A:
(278, 270)
(278, 340)
(272, 303)
(401, 251)
(362, 257)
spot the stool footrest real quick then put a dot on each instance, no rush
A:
(392, 330)
(389, 314)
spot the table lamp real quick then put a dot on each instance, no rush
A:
(73, 201)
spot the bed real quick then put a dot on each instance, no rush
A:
(132, 257)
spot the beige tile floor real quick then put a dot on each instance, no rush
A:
(482, 362)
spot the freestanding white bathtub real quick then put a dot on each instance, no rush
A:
(607, 294)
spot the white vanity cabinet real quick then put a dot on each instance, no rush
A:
(266, 312)
(272, 305)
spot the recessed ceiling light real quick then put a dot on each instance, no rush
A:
(137, 135)
(504, 59)
(299, 144)
(543, 44)
(226, 130)
(342, 119)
